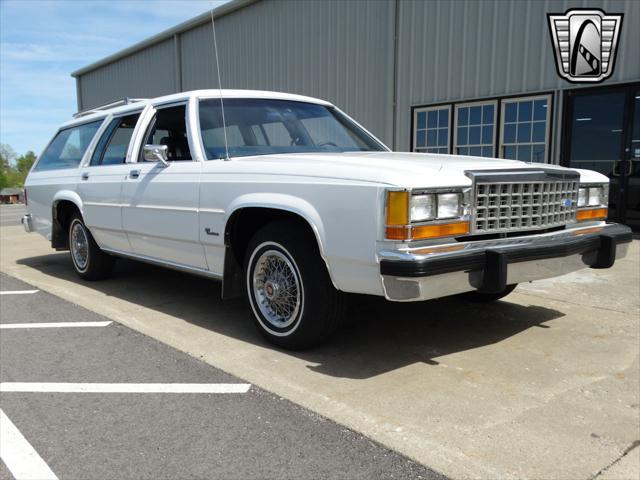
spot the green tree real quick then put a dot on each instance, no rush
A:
(6, 156)
(23, 165)
(13, 169)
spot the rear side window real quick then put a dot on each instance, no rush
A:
(112, 147)
(68, 147)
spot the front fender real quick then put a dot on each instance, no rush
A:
(285, 202)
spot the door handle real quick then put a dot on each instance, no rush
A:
(85, 176)
(134, 173)
(616, 168)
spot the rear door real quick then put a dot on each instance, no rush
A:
(160, 204)
(100, 183)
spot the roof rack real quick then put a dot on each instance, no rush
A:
(107, 106)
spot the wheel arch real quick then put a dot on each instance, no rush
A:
(247, 215)
(64, 204)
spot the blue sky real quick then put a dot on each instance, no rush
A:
(42, 42)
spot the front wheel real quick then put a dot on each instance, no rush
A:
(294, 303)
(89, 262)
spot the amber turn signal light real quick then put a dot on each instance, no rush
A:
(591, 214)
(397, 208)
(423, 232)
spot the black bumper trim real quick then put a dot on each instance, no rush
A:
(495, 260)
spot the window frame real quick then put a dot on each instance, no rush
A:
(104, 130)
(547, 130)
(427, 109)
(88, 152)
(478, 103)
(146, 123)
(497, 120)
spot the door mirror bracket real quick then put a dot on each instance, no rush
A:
(156, 153)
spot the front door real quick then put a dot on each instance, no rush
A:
(602, 128)
(160, 204)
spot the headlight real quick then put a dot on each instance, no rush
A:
(425, 215)
(423, 207)
(596, 196)
(583, 194)
(448, 205)
(593, 195)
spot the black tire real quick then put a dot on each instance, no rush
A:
(98, 264)
(320, 307)
(481, 297)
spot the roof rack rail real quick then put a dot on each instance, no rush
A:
(107, 106)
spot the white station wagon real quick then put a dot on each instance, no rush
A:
(288, 200)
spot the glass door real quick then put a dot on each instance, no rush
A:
(630, 171)
(602, 133)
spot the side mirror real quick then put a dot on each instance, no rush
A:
(156, 153)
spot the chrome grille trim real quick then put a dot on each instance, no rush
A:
(538, 203)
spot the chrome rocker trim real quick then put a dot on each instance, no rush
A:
(489, 266)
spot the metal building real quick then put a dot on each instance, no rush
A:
(461, 76)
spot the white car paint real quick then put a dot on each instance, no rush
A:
(162, 214)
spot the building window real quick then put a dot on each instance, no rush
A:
(431, 134)
(475, 127)
(525, 123)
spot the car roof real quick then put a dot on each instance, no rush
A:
(99, 114)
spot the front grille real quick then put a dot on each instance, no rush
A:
(512, 206)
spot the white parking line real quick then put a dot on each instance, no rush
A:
(34, 387)
(19, 456)
(54, 325)
(19, 292)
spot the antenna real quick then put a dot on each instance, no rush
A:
(224, 123)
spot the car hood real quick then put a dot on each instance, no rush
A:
(390, 168)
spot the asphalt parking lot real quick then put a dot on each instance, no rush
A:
(541, 385)
(81, 430)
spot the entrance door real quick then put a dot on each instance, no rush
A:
(603, 134)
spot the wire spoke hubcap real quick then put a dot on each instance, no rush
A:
(276, 288)
(79, 246)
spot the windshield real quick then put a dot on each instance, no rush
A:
(263, 127)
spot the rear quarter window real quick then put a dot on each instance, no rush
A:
(68, 147)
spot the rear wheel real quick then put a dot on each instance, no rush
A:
(89, 262)
(294, 303)
(481, 297)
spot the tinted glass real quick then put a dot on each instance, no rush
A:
(596, 131)
(285, 127)
(112, 147)
(68, 147)
(433, 136)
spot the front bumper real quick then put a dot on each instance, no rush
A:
(27, 223)
(490, 265)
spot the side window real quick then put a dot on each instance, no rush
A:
(68, 147)
(431, 129)
(112, 147)
(169, 128)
